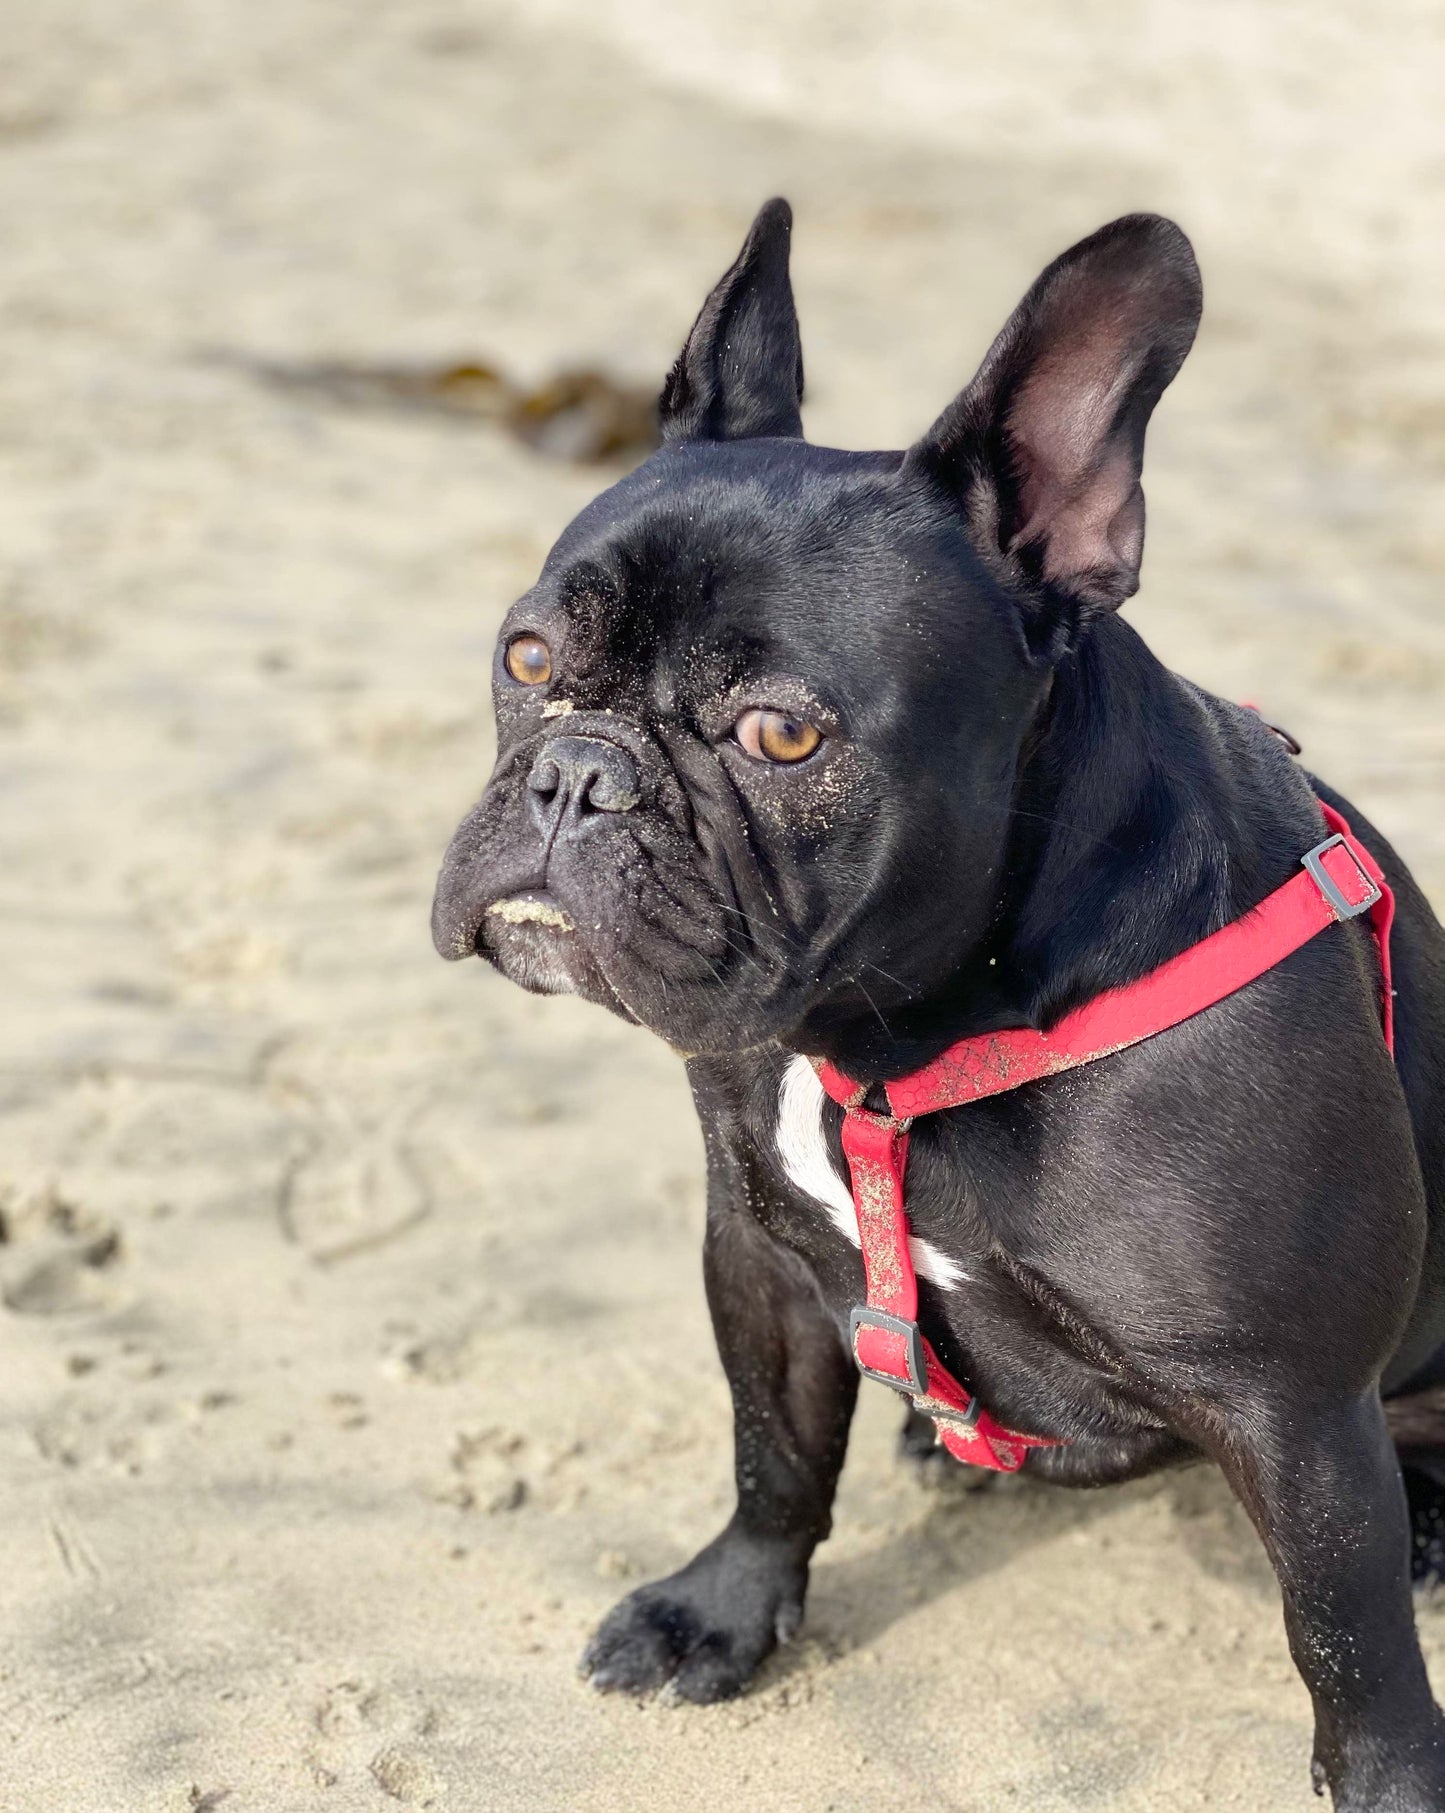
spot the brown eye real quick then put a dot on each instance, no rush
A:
(776, 736)
(529, 660)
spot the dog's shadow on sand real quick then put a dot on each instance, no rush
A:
(968, 1532)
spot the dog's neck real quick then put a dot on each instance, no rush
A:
(1145, 816)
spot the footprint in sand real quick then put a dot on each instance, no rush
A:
(380, 1730)
(499, 1470)
(58, 1258)
(95, 1435)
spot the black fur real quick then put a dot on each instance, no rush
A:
(1223, 1242)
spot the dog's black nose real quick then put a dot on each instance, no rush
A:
(585, 774)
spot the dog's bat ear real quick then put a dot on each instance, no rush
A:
(741, 372)
(1044, 448)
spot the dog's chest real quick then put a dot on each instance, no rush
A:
(800, 1150)
(986, 1320)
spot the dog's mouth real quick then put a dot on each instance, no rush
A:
(533, 939)
(533, 907)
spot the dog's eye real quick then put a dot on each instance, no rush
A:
(776, 736)
(529, 660)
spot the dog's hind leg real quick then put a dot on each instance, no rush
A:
(1425, 1495)
(1417, 1424)
(926, 1457)
(1322, 1487)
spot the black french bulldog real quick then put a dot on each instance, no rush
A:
(815, 754)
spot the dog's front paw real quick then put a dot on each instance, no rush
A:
(702, 1632)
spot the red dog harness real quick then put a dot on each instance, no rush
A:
(1339, 880)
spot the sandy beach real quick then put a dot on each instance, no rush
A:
(353, 1352)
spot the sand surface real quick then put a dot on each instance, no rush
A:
(353, 1355)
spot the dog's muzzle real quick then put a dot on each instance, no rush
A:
(577, 784)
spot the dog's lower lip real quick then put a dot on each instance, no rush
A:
(533, 906)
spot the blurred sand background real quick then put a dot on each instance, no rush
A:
(353, 1356)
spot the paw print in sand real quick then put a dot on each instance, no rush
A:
(56, 1257)
(382, 1733)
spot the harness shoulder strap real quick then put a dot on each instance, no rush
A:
(1339, 879)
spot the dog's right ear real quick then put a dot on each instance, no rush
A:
(741, 372)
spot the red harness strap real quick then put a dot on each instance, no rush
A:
(1339, 880)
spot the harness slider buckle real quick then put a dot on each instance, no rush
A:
(967, 1420)
(1343, 909)
(916, 1384)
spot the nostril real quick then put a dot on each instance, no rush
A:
(545, 777)
(610, 787)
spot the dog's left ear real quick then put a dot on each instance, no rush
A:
(741, 372)
(1044, 448)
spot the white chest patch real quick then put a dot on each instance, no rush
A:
(804, 1153)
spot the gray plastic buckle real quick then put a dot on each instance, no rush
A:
(863, 1317)
(1343, 909)
(960, 1419)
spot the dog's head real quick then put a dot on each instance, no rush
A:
(761, 718)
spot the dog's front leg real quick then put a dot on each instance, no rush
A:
(706, 1628)
(1323, 1487)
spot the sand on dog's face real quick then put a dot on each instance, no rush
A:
(721, 898)
(353, 1354)
(532, 912)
